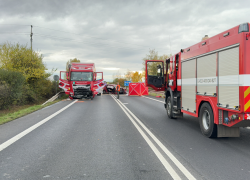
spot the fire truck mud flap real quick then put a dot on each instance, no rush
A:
(224, 131)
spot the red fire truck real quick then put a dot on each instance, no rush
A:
(209, 80)
(82, 81)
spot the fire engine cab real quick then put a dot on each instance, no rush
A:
(81, 81)
(209, 80)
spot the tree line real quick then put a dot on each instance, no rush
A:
(136, 76)
(23, 76)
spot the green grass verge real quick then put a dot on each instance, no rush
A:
(12, 116)
(155, 94)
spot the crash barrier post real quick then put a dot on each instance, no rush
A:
(137, 89)
(53, 98)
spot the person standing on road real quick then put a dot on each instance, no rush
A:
(118, 90)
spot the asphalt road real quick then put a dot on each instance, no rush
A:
(129, 138)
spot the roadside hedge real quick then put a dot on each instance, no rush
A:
(11, 88)
(15, 90)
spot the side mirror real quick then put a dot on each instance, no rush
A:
(159, 71)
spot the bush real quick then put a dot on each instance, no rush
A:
(11, 88)
(5, 94)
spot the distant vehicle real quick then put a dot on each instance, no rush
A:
(111, 88)
(209, 80)
(82, 81)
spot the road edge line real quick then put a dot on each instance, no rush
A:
(167, 152)
(165, 163)
(154, 99)
(27, 131)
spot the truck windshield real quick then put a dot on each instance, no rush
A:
(81, 76)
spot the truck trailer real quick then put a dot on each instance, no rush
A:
(209, 80)
(81, 81)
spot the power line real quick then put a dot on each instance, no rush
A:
(15, 24)
(89, 42)
(14, 33)
(89, 36)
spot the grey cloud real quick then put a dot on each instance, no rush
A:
(115, 33)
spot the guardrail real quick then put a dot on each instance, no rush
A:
(53, 98)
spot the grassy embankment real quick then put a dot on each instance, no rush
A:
(19, 111)
(151, 92)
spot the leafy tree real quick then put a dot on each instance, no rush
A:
(137, 77)
(35, 85)
(153, 55)
(19, 58)
(128, 75)
(70, 61)
(120, 80)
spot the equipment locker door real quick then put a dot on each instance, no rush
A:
(154, 76)
(188, 86)
(228, 72)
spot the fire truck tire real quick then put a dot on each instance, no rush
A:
(169, 108)
(206, 119)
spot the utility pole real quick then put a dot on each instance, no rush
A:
(31, 34)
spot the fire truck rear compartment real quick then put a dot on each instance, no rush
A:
(206, 81)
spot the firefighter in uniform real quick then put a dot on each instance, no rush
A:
(118, 90)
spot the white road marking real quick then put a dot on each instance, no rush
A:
(27, 131)
(125, 103)
(154, 99)
(167, 152)
(152, 146)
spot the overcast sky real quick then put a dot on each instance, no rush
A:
(115, 35)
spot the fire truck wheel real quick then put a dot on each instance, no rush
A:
(206, 118)
(169, 108)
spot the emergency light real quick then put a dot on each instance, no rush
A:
(247, 116)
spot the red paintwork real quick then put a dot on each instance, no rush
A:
(67, 85)
(214, 43)
(231, 123)
(189, 113)
(146, 78)
(137, 89)
(212, 101)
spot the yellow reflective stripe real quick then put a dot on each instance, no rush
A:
(247, 105)
(247, 92)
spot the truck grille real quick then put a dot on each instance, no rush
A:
(81, 91)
